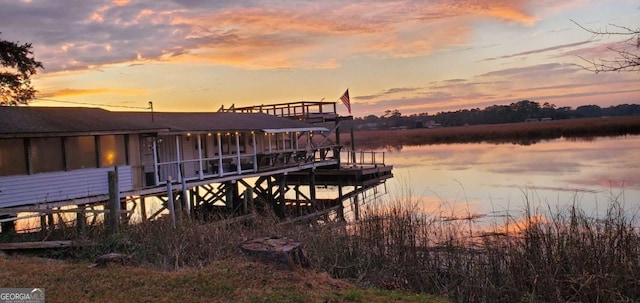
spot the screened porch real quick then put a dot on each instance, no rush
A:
(199, 156)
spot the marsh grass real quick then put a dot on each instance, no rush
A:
(559, 256)
(516, 133)
(566, 257)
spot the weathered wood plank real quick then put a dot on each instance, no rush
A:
(281, 250)
(310, 216)
(42, 244)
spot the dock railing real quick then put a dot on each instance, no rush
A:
(298, 110)
(362, 158)
(243, 163)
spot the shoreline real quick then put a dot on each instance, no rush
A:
(525, 133)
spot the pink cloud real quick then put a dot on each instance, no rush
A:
(245, 34)
(387, 29)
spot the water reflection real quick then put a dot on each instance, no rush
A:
(493, 179)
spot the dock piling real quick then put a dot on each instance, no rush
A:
(114, 201)
(170, 204)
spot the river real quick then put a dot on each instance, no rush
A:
(491, 180)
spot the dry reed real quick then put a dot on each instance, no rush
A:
(568, 256)
(517, 133)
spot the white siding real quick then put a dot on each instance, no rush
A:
(60, 186)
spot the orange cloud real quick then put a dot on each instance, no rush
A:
(509, 10)
(98, 15)
(281, 38)
(307, 35)
(121, 2)
(508, 13)
(67, 92)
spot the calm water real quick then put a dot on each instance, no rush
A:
(494, 179)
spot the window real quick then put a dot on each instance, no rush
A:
(288, 141)
(243, 142)
(45, 155)
(214, 146)
(276, 144)
(81, 152)
(113, 150)
(12, 157)
(228, 142)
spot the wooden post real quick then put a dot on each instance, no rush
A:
(143, 209)
(337, 130)
(312, 185)
(340, 200)
(229, 194)
(356, 207)
(51, 225)
(353, 148)
(298, 209)
(81, 219)
(236, 192)
(281, 190)
(114, 201)
(248, 200)
(338, 138)
(171, 206)
(272, 201)
(185, 199)
(43, 224)
(193, 197)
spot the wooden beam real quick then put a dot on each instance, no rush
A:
(43, 244)
(310, 216)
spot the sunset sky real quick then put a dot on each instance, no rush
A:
(413, 56)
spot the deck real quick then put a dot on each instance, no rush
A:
(344, 176)
(307, 111)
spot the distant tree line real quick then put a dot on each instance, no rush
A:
(520, 111)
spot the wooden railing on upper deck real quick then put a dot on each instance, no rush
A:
(302, 110)
(363, 158)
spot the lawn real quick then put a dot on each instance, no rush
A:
(237, 279)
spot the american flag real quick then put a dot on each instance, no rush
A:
(346, 101)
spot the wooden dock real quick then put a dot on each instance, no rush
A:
(345, 176)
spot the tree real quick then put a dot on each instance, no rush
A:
(589, 111)
(625, 58)
(15, 77)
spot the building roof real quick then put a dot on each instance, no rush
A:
(38, 121)
(221, 122)
(51, 121)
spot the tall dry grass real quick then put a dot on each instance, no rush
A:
(565, 257)
(517, 133)
(568, 257)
